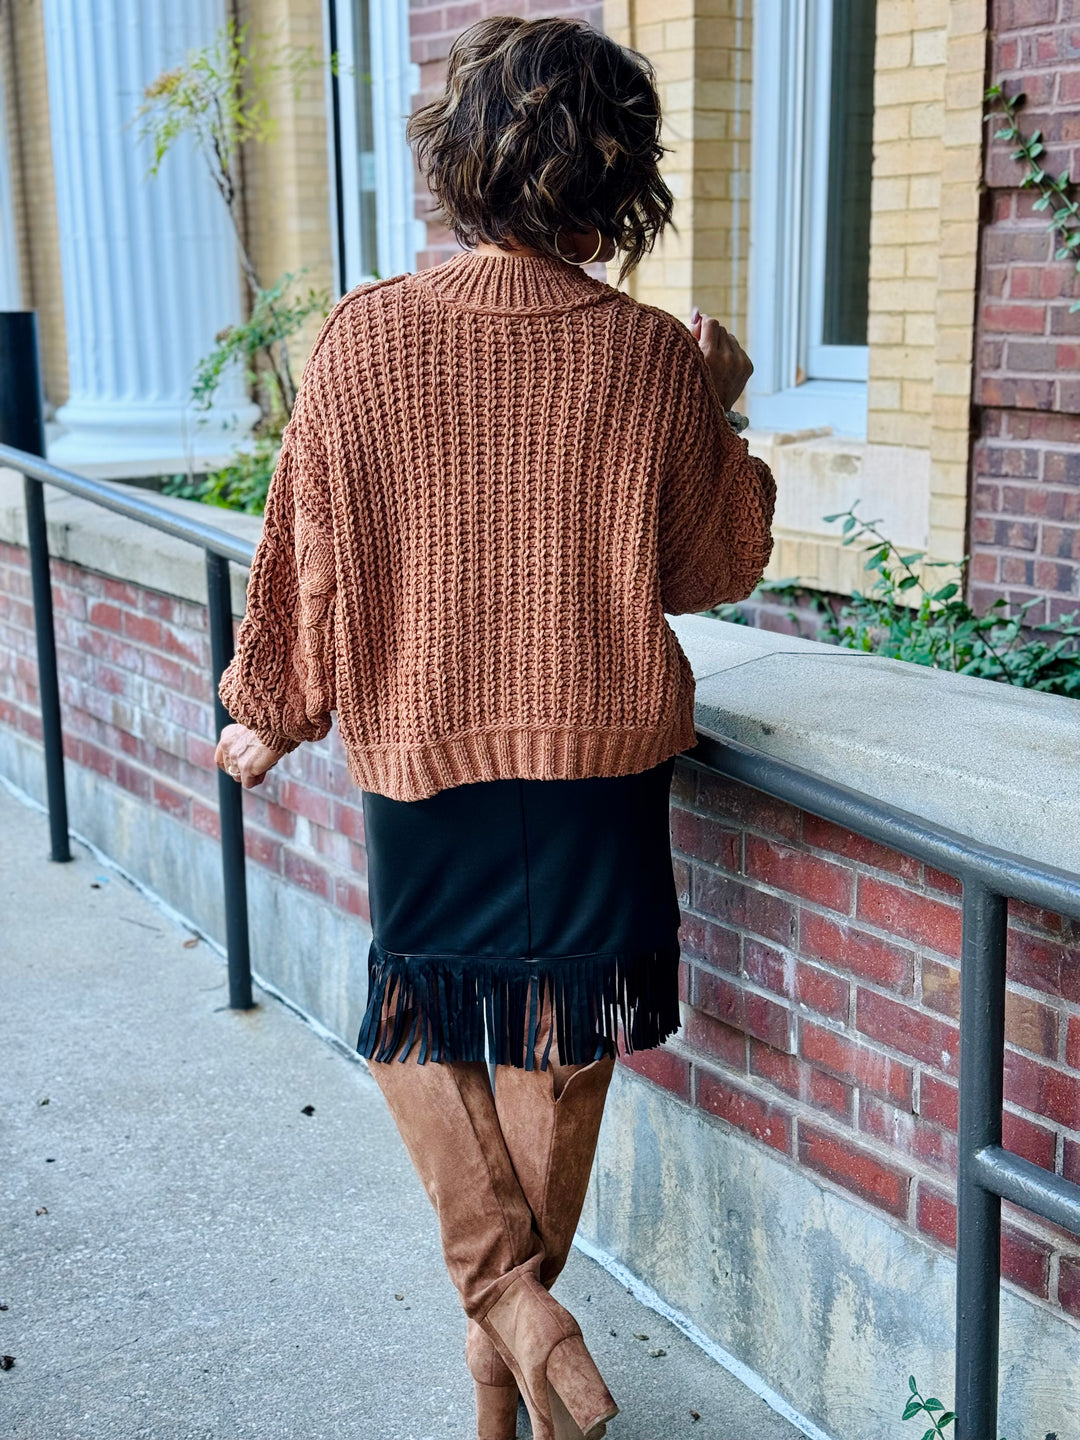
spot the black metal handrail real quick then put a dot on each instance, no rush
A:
(987, 1172)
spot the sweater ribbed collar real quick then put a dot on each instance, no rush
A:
(513, 284)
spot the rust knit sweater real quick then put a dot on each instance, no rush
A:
(499, 474)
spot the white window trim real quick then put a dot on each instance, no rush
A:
(394, 81)
(792, 41)
(11, 297)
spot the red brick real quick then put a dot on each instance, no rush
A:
(1025, 1260)
(348, 820)
(769, 968)
(908, 1133)
(856, 1169)
(1072, 1044)
(802, 1081)
(1035, 1086)
(924, 1037)
(106, 617)
(935, 1214)
(938, 1100)
(823, 835)
(723, 898)
(858, 1064)
(307, 874)
(1071, 1163)
(1026, 319)
(131, 777)
(310, 804)
(747, 807)
(205, 820)
(767, 1122)
(799, 873)
(716, 1039)
(351, 898)
(262, 849)
(1031, 1025)
(171, 801)
(703, 838)
(1033, 1142)
(942, 880)
(1068, 1287)
(742, 1009)
(142, 628)
(911, 916)
(857, 951)
(940, 987)
(822, 991)
(715, 944)
(1038, 962)
(663, 1067)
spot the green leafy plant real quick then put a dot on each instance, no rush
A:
(933, 1409)
(902, 618)
(941, 629)
(1053, 192)
(242, 484)
(218, 97)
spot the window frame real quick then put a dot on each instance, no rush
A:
(395, 79)
(790, 157)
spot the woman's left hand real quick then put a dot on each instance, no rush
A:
(241, 754)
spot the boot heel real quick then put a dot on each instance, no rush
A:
(496, 1411)
(577, 1389)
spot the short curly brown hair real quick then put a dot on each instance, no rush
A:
(545, 124)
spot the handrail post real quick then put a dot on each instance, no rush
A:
(22, 426)
(230, 794)
(978, 1210)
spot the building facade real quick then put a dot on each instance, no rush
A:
(909, 327)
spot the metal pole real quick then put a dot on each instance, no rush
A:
(22, 425)
(978, 1239)
(230, 794)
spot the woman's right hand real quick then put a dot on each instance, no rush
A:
(727, 360)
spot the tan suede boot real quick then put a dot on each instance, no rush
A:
(550, 1120)
(445, 1113)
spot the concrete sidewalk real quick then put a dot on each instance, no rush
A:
(186, 1255)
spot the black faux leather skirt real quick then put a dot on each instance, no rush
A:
(490, 900)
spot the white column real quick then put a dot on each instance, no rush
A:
(149, 264)
(10, 288)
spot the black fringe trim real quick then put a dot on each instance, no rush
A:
(483, 1007)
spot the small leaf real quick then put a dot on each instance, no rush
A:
(911, 1408)
(911, 1378)
(849, 524)
(934, 1405)
(908, 581)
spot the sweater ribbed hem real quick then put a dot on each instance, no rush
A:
(404, 772)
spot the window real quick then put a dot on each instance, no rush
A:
(812, 154)
(374, 225)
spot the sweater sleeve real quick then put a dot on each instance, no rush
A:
(716, 500)
(280, 683)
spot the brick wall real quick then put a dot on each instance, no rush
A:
(1025, 507)
(432, 28)
(820, 970)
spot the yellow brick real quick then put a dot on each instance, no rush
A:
(967, 17)
(895, 87)
(892, 122)
(909, 157)
(888, 193)
(928, 47)
(886, 329)
(892, 52)
(894, 16)
(887, 261)
(883, 395)
(918, 329)
(925, 192)
(922, 260)
(916, 397)
(928, 118)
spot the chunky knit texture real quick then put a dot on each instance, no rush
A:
(499, 474)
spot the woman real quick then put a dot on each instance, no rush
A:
(499, 475)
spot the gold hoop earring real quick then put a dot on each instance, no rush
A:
(592, 257)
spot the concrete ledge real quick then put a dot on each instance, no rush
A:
(992, 761)
(85, 534)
